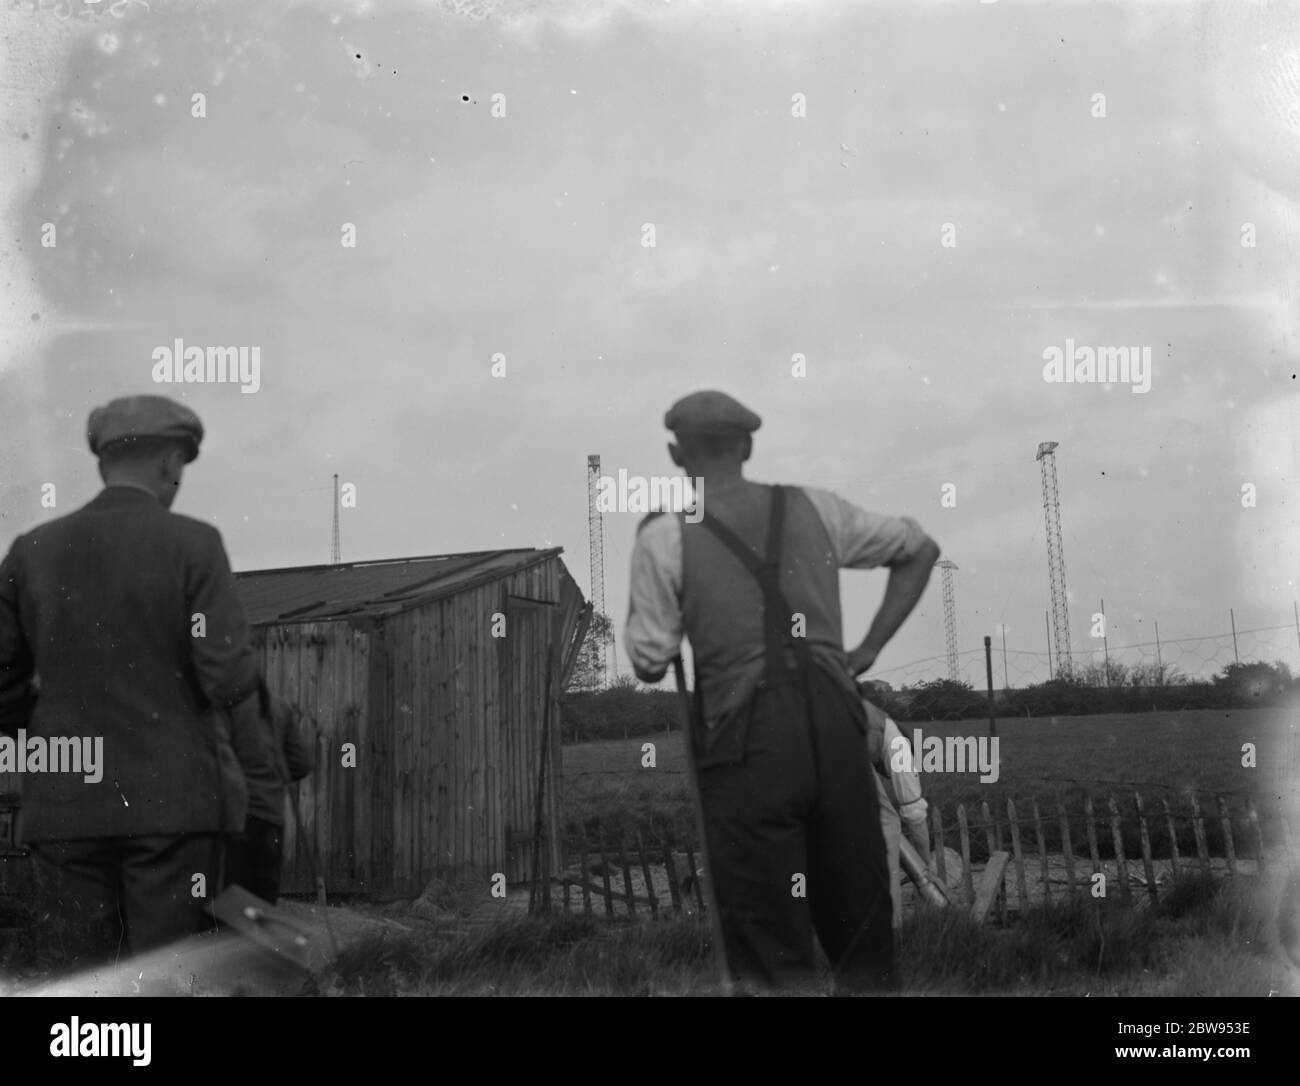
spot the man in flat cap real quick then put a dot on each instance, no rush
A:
(790, 807)
(128, 615)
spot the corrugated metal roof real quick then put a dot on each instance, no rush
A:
(318, 593)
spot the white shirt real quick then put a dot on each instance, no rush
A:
(859, 539)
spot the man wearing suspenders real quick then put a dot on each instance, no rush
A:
(791, 813)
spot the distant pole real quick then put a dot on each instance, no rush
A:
(335, 553)
(1006, 684)
(988, 671)
(1296, 612)
(1160, 664)
(1233, 619)
(1047, 622)
(1105, 648)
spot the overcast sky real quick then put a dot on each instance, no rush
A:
(775, 235)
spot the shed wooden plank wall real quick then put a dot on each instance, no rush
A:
(447, 722)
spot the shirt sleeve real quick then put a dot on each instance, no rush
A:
(654, 625)
(862, 539)
(904, 783)
(17, 695)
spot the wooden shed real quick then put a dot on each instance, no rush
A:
(433, 685)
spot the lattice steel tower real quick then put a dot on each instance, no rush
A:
(1055, 557)
(596, 542)
(949, 617)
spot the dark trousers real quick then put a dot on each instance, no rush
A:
(795, 844)
(256, 858)
(116, 896)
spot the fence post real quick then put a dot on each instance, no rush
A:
(1173, 838)
(1198, 827)
(1148, 866)
(627, 878)
(670, 865)
(604, 874)
(1229, 848)
(586, 876)
(940, 859)
(1042, 852)
(1091, 827)
(993, 834)
(650, 894)
(1069, 852)
(1021, 889)
(1253, 815)
(963, 831)
(1121, 860)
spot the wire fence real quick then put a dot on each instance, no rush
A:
(1177, 659)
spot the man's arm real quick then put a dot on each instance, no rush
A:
(17, 693)
(224, 661)
(865, 540)
(654, 623)
(299, 755)
(907, 581)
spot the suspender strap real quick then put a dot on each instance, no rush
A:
(767, 571)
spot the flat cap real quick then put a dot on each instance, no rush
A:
(144, 416)
(710, 412)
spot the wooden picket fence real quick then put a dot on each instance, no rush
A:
(1011, 855)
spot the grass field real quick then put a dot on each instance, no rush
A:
(1050, 761)
(1205, 939)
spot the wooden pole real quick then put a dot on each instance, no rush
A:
(1160, 664)
(670, 865)
(1042, 851)
(1198, 827)
(1121, 861)
(1091, 827)
(1174, 858)
(1105, 647)
(1006, 683)
(714, 919)
(627, 878)
(940, 859)
(649, 881)
(586, 874)
(993, 834)
(1233, 619)
(963, 833)
(1022, 891)
(1229, 848)
(1067, 849)
(1253, 815)
(604, 874)
(988, 671)
(1148, 865)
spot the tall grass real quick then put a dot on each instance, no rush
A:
(1203, 939)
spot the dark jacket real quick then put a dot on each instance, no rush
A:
(274, 749)
(130, 616)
